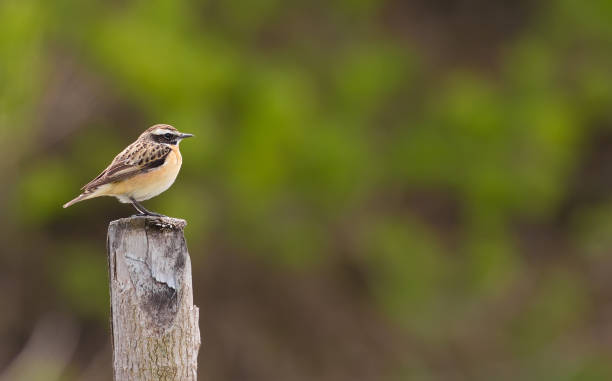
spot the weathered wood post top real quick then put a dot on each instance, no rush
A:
(154, 323)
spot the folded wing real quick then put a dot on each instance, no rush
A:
(136, 159)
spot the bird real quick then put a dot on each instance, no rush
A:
(143, 170)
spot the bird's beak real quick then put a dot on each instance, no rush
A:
(185, 136)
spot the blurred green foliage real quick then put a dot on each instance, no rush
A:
(317, 124)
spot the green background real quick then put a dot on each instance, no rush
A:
(377, 190)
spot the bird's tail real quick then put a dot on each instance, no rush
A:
(81, 197)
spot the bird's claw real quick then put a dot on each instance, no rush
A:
(151, 214)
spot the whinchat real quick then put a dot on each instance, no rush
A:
(143, 170)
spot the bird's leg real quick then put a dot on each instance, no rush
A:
(144, 211)
(137, 206)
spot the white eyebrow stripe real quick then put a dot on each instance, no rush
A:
(161, 131)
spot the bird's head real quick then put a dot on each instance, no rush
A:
(164, 133)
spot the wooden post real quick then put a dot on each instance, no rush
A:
(154, 323)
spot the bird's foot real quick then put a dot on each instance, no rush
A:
(153, 214)
(150, 214)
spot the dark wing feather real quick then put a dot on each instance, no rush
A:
(138, 157)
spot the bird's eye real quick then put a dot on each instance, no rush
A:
(168, 136)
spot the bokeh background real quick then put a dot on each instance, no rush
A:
(378, 189)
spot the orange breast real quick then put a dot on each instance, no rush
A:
(147, 185)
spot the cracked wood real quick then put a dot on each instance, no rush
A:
(154, 323)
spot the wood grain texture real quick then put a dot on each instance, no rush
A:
(154, 323)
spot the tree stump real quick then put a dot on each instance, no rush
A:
(154, 324)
